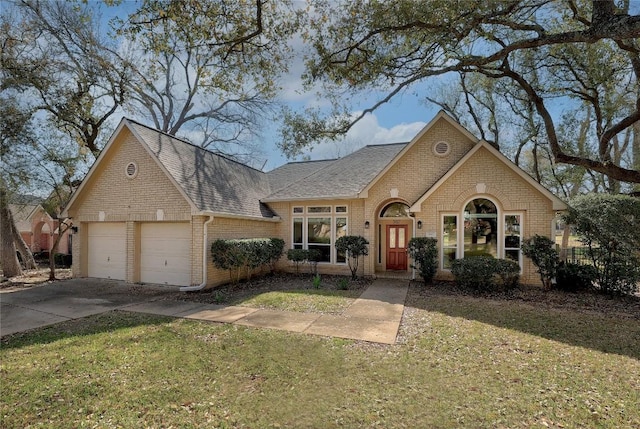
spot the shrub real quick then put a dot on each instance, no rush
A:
(424, 254)
(275, 248)
(250, 254)
(475, 273)
(575, 277)
(297, 256)
(317, 281)
(353, 246)
(343, 284)
(609, 226)
(508, 272)
(542, 252)
(313, 257)
(228, 255)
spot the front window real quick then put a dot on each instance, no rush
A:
(481, 231)
(319, 236)
(481, 228)
(319, 230)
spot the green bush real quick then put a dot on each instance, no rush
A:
(542, 252)
(353, 246)
(575, 277)
(343, 284)
(508, 272)
(317, 281)
(475, 273)
(609, 226)
(250, 254)
(424, 254)
(486, 273)
(313, 257)
(275, 248)
(297, 256)
(228, 255)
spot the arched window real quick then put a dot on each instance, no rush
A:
(395, 210)
(482, 231)
(481, 228)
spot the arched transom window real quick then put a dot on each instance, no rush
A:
(395, 210)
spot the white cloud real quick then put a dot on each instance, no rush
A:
(367, 131)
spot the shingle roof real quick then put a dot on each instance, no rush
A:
(212, 182)
(215, 183)
(342, 178)
(292, 172)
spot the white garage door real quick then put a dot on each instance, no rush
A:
(107, 250)
(165, 253)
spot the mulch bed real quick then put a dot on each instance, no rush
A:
(627, 306)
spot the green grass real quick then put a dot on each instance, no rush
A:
(461, 362)
(302, 300)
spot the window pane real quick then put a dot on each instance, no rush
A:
(392, 238)
(512, 231)
(297, 230)
(401, 237)
(480, 228)
(395, 210)
(449, 257)
(298, 210)
(319, 209)
(341, 257)
(450, 231)
(319, 230)
(341, 227)
(341, 209)
(513, 255)
(325, 252)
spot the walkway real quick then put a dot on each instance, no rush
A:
(374, 317)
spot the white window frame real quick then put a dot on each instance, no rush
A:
(306, 215)
(442, 246)
(504, 235)
(501, 215)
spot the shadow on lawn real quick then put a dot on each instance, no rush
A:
(110, 321)
(606, 324)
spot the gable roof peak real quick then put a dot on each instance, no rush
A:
(195, 146)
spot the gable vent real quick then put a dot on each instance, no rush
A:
(441, 148)
(131, 170)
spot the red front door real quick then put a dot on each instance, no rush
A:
(397, 247)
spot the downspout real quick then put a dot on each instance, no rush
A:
(204, 257)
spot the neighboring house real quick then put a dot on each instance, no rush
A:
(38, 229)
(151, 205)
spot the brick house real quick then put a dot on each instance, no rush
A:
(151, 205)
(38, 229)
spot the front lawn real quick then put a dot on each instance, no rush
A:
(461, 361)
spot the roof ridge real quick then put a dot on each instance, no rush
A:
(188, 143)
(383, 144)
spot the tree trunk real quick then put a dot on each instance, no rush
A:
(10, 265)
(21, 247)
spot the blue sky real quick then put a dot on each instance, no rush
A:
(397, 121)
(400, 120)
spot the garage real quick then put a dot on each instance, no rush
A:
(107, 250)
(165, 253)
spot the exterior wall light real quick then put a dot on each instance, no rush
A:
(419, 224)
(366, 225)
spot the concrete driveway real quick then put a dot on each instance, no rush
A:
(24, 309)
(375, 316)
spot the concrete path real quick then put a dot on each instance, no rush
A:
(374, 317)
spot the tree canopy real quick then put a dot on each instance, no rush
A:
(584, 53)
